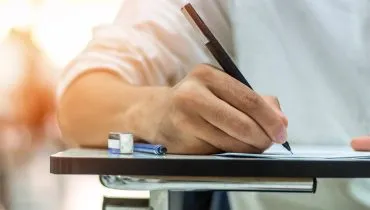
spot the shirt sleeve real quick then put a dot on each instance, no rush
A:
(149, 43)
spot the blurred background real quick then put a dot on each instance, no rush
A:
(37, 39)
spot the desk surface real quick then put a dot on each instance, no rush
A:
(100, 162)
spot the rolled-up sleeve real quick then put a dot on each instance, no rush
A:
(149, 43)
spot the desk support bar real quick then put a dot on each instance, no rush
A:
(300, 185)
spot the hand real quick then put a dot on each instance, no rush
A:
(209, 111)
(361, 143)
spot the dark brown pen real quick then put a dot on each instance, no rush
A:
(217, 50)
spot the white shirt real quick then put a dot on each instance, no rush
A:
(313, 55)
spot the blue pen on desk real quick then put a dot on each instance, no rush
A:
(155, 149)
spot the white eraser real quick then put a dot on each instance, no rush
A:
(114, 146)
(126, 143)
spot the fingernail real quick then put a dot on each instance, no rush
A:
(281, 114)
(282, 136)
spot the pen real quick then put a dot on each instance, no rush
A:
(217, 50)
(155, 149)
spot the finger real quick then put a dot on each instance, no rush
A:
(361, 143)
(275, 105)
(205, 131)
(231, 121)
(245, 100)
(185, 142)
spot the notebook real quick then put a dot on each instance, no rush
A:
(304, 152)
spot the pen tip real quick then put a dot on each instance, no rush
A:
(287, 147)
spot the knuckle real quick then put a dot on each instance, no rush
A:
(185, 95)
(179, 120)
(252, 101)
(220, 115)
(229, 87)
(242, 128)
(202, 72)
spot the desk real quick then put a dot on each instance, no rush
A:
(232, 172)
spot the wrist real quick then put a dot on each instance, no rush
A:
(144, 114)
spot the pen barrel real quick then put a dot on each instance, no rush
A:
(152, 149)
(226, 62)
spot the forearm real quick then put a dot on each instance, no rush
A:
(149, 43)
(100, 102)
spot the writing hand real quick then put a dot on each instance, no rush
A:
(209, 111)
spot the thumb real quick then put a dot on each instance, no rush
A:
(361, 143)
(275, 105)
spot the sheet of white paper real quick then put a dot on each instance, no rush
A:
(305, 152)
